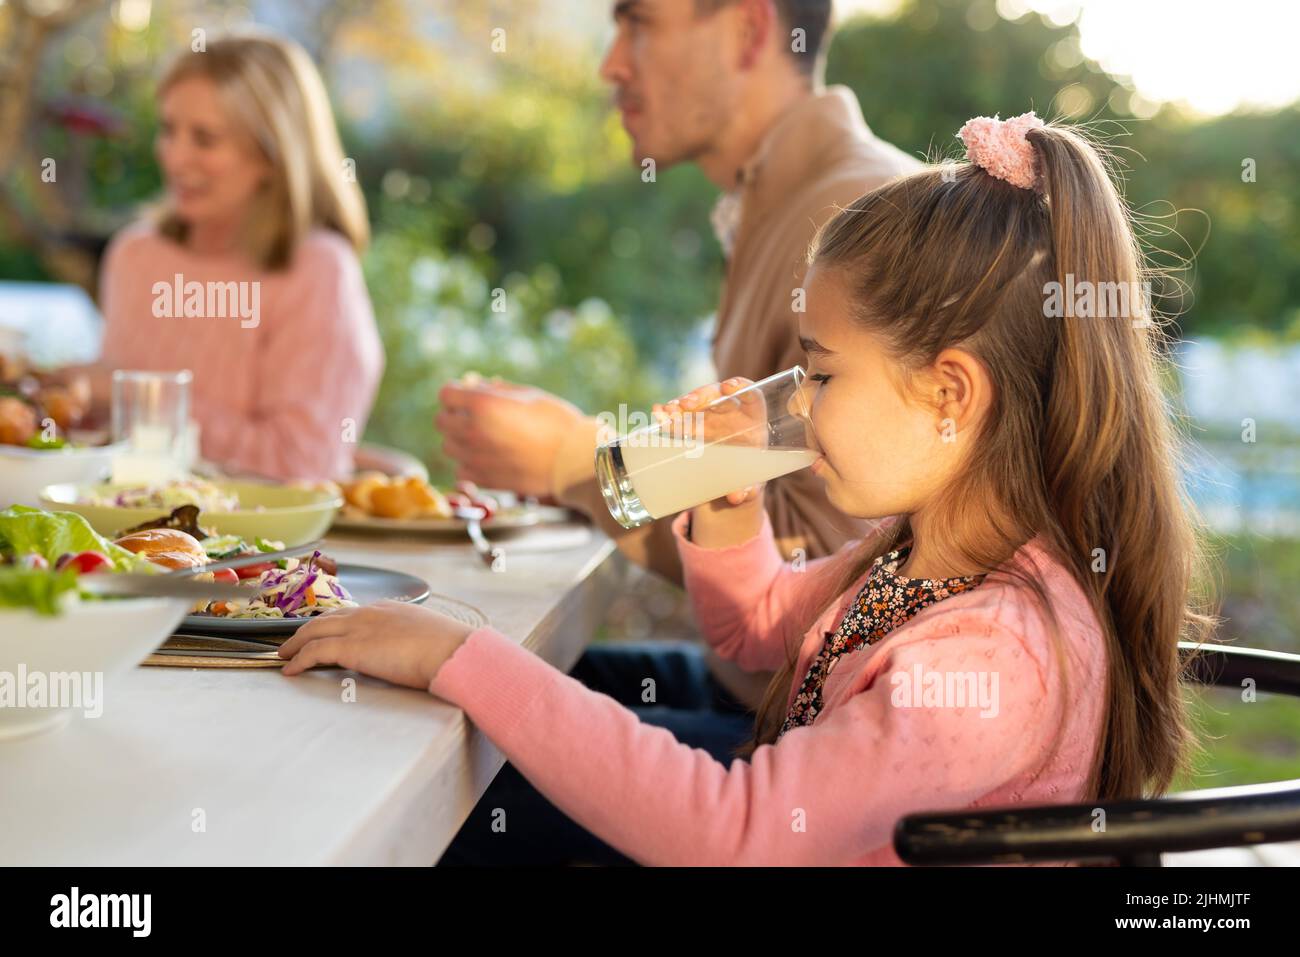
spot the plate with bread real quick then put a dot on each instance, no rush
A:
(375, 502)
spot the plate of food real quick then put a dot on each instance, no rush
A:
(283, 591)
(282, 599)
(374, 502)
(40, 443)
(293, 514)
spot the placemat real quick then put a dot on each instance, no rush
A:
(200, 644)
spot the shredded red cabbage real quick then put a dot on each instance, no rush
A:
(295, 598)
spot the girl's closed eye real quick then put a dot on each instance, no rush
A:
(820, 377)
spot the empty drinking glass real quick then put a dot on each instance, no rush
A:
(151, 413)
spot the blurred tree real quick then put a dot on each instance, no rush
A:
(515, 149)
(441, 317)
(39, 217)
(1229, 188)
(922, 73)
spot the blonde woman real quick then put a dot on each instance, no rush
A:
(248, 274)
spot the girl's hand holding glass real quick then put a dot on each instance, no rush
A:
(743, 416)
(712, 447)
(737, 516)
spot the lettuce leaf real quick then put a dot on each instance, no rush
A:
(50, 534)
(42, 590)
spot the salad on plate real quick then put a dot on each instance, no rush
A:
(198, 492)
(289, 588)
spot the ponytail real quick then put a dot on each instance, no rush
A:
(1110, 465)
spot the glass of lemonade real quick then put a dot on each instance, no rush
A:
(150, 413)
(754, 435)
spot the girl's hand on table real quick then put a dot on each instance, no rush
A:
(402, 643)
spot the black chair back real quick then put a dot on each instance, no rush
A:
(1135, 832)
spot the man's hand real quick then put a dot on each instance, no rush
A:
(504, 435)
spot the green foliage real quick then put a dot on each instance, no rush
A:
(1251, 742)
(1261, 605)
(923, 74)
(440, 317)
(920, 76)
(1243, 742)
(1246, 235)
(646, 248)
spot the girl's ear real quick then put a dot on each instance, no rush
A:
(962, 390)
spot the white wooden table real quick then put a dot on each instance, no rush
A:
(282, 770)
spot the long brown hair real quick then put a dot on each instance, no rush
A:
(1079, 446)
(272, 89)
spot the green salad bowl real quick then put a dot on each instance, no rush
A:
(293, 514)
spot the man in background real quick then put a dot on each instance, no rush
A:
(735, 87)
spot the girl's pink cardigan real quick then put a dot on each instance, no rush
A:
(829, 793)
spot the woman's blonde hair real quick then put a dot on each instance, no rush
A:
(1080, 447)
(273, 90)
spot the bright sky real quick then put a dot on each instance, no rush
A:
(1211, 55)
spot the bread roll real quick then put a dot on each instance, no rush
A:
(357, 493)
(392, 501)
(428, 501)
(168, 547)
(373, 493)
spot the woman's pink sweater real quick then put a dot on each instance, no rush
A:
(284, 393)
(829, 793)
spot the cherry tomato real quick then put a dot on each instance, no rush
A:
(226, 575)
(87, 562)
(253, 571)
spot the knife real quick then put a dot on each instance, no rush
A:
(248, 655)
(179, 640)
(256, 558)
(210, 653)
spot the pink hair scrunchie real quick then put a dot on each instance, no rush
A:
(1002, 147)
